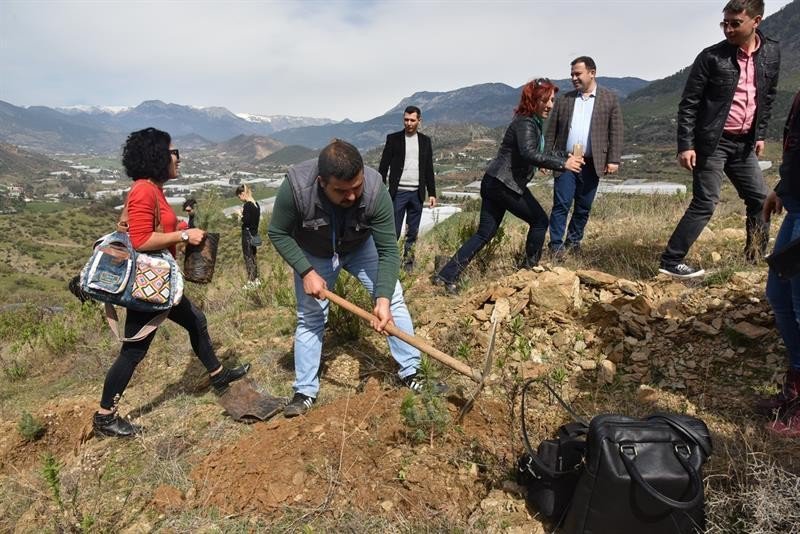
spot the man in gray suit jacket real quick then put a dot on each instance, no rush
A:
(589, 116)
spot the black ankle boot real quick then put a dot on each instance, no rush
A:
(221, 380)
(114, 426)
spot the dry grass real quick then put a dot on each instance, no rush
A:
(752, 482)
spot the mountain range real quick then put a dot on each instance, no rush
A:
(103, 130)
(648, 109)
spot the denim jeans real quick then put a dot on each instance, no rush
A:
(496, 199)
(185, 314)
(738, 161)
(312, 314)
(407, 205)
(568, 189)
(784, 295)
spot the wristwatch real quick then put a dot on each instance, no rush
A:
(184, 236)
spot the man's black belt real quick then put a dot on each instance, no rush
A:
(736, 137)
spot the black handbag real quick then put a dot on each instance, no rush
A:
(255, 240)
(641, 475)
(550, 474)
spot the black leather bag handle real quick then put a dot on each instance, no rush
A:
(535, 457)
(690, 433)
(694, 479)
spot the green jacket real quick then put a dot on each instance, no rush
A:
(302, 216)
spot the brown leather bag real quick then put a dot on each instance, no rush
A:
(200, 260)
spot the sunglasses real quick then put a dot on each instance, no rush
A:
(175, 152)
(540, 81)
(732, 23)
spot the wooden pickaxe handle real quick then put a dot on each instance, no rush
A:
(412, 340)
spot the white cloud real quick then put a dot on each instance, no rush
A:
(332, 59)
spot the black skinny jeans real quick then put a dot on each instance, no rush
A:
(121, 371)
(496, 199)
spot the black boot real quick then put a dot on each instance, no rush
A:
(221, 380)
(113, 425)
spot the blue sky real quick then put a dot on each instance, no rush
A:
(337, 59)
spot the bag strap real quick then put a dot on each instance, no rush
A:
(687, 431)
(533, 456)
(694, 479)
(122, 222)
(144, 331)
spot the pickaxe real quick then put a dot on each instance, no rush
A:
(427, 348)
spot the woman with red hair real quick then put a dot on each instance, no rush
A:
(505, 183)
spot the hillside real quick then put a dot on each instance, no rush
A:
(20, 165)
(603, 327)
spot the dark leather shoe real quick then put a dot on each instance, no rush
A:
(114, 426)
(222, 380)
(451, 288)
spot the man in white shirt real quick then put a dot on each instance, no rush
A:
(407, 162)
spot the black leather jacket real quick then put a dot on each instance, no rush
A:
(709, 90)
(519, 155)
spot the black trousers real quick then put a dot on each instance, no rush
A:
(496, 199)
(249, 253)
(121, 371)
(736, 160)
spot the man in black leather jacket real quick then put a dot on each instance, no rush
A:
(722, 122)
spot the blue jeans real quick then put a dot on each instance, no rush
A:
(496, 199)
(312, 314)
(407, 205)
(784, 295)
(578, 189)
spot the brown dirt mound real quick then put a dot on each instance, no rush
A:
(353, 454)
(67, 425)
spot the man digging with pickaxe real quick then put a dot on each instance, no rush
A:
(332, 213)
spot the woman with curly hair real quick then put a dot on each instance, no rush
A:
(505, 183)
(251, 217)
(150, 160)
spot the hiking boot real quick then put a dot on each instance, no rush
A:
(681, 271)
(787, 426)
(113, 425)
(408, 267)
(299, 405)
(558, 255)
(451, 288)
(417, 384)
(221, 380)
(785, 399)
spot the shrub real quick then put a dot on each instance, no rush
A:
(30, 428)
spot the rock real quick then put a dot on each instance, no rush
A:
(607, 372)
(560, 340)
(502, 309)
(716, 257)
(733, 234)
(481, 315)
(579, 346)
(596, 278)
(646, 393)
(704, 328)
(558, 289)
(588, 365)
(706, 235)
(628, 287)
(750, 331)
(387, 506)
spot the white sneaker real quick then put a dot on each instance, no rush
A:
(682, 271)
